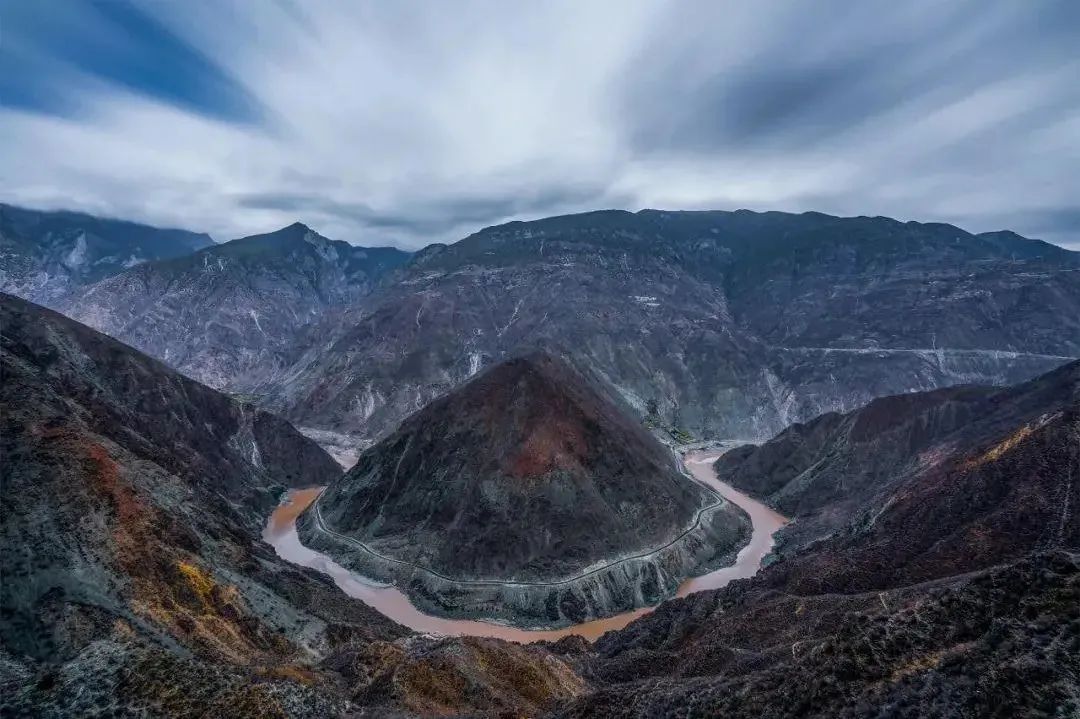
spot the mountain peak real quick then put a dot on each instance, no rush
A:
(526, 473)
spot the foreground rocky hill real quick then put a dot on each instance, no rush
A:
(231, 315)
(948, 586)
(722, 324)
(45, 256)
(134, 583)
(506, 497)
(998, 643)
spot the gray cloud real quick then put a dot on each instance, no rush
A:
(821, 70)
(412, 123)
(433, 218)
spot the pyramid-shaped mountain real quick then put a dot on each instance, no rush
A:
(527, 474)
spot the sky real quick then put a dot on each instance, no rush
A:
(408, 123)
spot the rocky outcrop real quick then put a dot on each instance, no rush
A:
(45, 256)
(233, 315)
(524, 496)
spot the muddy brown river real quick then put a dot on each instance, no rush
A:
(281, 533)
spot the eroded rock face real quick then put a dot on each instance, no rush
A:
(500, 498)
(232, 315)
(723, 324)
(46, 256)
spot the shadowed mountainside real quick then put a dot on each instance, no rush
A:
(943, 581)
(133, 578)
(901, 453)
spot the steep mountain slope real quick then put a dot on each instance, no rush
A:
(822, 470)
(132, 499)
(999, 643)
(529, 476)
(729, 324)
(44, 256)
(948, 584)
(133, 579)
(229, 315)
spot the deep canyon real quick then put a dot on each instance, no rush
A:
(894, 532)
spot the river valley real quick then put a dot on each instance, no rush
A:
(281, 533)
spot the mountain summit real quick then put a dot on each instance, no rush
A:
(526, 474)
(231, 315)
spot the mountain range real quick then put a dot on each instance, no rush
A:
(44, 256)
(709, 324)
(911, 389)
(715, 324)
(941, 578)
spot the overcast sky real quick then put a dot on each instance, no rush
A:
(407, 123)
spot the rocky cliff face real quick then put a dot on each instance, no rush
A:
(716, 323)
(231, 315)
(504, 498)
(45, 256)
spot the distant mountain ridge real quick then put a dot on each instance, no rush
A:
(45, 255)
(710, 324)
(724, 324)
(231, 314)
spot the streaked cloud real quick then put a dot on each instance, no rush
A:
(415, 122)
